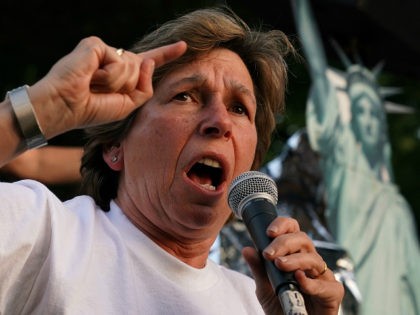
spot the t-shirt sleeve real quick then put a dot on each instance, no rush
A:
(25, 235)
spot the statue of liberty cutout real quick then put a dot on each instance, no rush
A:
(367, 215)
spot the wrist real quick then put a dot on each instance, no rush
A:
(26, 117)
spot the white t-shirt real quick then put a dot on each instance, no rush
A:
(73, 258)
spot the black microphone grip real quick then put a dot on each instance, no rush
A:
(283, 283)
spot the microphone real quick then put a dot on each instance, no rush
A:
(252, 196)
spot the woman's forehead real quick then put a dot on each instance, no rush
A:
(219, 63)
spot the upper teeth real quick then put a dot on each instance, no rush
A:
(210, 162)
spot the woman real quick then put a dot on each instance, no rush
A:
(206, 88)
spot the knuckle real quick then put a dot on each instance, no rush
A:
(91, 41)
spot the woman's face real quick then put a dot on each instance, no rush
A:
(187, 144)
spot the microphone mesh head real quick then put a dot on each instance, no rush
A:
(248, 184)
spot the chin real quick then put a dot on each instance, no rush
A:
(205, 217)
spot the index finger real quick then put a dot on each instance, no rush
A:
(282, 225)
(165, 54)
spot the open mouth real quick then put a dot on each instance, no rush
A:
(207, 173)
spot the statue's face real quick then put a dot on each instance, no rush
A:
(367, 117)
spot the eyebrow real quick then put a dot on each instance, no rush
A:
(194, 79)
(200, 79)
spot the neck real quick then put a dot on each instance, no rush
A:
(192, 251)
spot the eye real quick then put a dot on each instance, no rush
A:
(239, 109)
(183, 97)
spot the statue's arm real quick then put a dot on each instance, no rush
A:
(313, 49)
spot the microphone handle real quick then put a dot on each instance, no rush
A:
(257, 215)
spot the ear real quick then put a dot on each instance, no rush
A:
(113, 157)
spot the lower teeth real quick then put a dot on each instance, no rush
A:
(209, 186)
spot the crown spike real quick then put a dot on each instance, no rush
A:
(395, 108)
(358, 59)
(378, 68)
(340, 52)
(386, 91)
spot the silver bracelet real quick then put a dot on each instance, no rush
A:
(26, 117)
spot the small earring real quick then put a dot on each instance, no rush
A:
(114, 159)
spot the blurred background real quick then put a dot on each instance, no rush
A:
(35, 34)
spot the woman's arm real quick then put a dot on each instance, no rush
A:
(94, 84)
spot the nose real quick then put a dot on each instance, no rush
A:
(217, 121)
